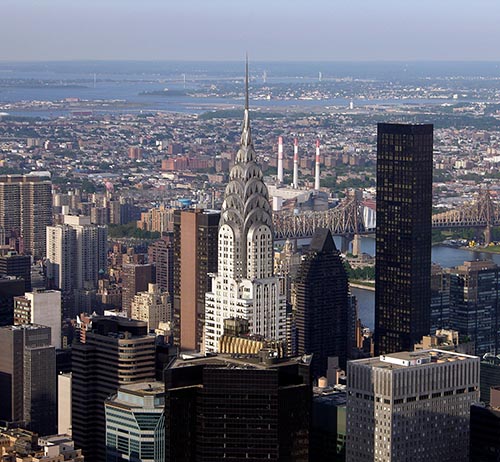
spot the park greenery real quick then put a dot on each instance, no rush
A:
(131, 230)
(366, 273)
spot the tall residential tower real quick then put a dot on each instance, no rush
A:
(26, 209)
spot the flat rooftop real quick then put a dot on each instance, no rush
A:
(239, 361)
(405, 359)
(144, 388)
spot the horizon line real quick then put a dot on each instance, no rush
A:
(166, 60)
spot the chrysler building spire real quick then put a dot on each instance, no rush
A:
(246, 208)
(246, 134)
(245, 285)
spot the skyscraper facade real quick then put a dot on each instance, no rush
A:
(161, 254)
(440, 298)
(224, 408)
(13, 264)
(474, 304)
(321, 303)
(151, 306)
(117, 351)
(26, 209)
(195, 258)
(76, 256)
(245, 284)
(135, 423)
(411, 406)
(135, 279)
(403, 237)
(10, 287)
(41, 307)
(28, 378)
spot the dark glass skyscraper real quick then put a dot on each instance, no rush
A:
(321, 303)
(28, 378)
(403, 243)
(223, 408)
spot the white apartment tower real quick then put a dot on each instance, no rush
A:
(245, 285)
(76, 254)
(411, 406)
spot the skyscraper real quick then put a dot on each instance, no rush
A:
(10, 287)
(474, 304)
(117, 351)
(321, 303)
(245, 285)
(13, 264)
(403, 238)
(26, 209)
(151, 306)
(161, 254)
(485, 430)
(76, 256)
(411, 406)
(135, 279)
(41, 307)
(28, 378)
(195, 258)
(135, 423)
(225, 408)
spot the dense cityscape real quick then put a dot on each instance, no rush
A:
(286, 261)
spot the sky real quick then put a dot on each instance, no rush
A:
(269, 30)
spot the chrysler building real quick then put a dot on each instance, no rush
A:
(245, 285)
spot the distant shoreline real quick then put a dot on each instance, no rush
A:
(363, 285)
(495, 250)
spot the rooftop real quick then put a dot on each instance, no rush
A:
(240, 361)
(406, 359)
(144, 388)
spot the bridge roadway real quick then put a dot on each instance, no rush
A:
(348, 219)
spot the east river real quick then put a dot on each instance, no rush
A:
(443, 255)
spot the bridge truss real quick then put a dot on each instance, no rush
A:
(347, 218)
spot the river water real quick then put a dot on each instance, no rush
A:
(445, 256)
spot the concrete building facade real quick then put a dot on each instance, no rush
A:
(26, 209)
(195, 258)
(41, 307)
(411, 406)
(152, 306)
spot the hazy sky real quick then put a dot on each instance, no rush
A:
(267, 29)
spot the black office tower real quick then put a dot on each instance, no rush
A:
(403, 242)
(321, 303)
(237, 409)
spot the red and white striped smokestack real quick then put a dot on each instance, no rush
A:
(316, 176)
(280, 159)
(296, 163)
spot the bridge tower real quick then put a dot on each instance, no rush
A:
(486, 209)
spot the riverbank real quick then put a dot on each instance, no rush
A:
(365, 285)
(494, 249)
